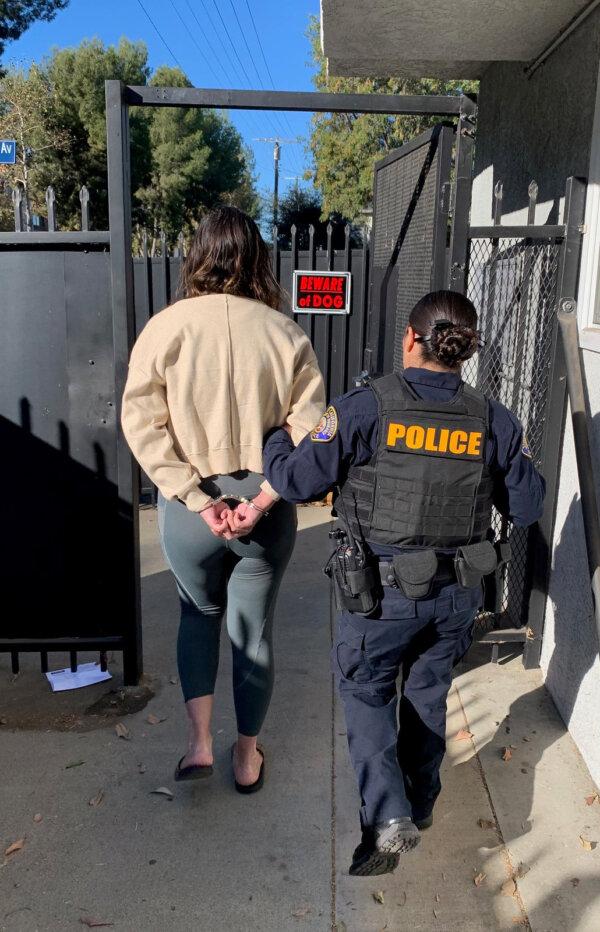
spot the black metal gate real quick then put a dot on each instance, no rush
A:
(71, 487)
(411, 201)
(517, 276)
(70, 576)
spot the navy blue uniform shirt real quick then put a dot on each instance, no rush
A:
(308, 471)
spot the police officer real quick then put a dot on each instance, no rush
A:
(417, 461)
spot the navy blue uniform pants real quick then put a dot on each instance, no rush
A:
(397, 752)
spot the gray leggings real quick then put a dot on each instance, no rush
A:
(238, 577)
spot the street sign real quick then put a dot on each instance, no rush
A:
(321, 292)
(8, 151)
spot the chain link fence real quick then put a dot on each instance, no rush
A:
(513, 284)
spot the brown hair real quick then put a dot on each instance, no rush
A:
(229, 256)
(446, 324)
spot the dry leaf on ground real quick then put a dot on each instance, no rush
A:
(162, 791)
(378, 897)
(522, 869)
(155, 719)
(463, 735)
(509, 887)
(590, 800)
(122, 731)
(94, 923)
(16, 846)
(486, 823)
(479, 878)
(506, 754)
(38, 817)
(302, 912)
(97, 800)
(586, 843)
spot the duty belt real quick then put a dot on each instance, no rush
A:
(445, 572)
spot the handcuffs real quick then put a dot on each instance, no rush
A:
(238, 498)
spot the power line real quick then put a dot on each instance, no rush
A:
(192, 37)
(246, 43)
(266, 63)
(160, 36)
(206, 39)
(231, 42)
(183, 23)
(260, 45)
(234, 49)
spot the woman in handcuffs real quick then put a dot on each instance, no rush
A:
(209, 376)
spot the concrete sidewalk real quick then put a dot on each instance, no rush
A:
(212, 860)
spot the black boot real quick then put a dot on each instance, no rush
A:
(381, 846)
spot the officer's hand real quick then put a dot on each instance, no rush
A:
(218, 517)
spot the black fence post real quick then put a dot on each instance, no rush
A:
(465, 140)
(84, 197)
(51, 209)
(543, 533)
(121, 265)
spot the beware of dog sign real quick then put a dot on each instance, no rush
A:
(321, 292)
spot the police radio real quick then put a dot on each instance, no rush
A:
(350, 568)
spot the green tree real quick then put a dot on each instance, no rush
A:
(17, 15)
(345, 146)
(198, 161)
(77, 76)
(26, 107)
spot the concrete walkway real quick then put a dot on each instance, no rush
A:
(212, 860)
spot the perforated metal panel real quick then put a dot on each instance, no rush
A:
(409, 237)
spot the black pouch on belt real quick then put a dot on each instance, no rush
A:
(415, 572)
(474, 561)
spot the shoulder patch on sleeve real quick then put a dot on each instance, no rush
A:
(327, 427)
(526, 449)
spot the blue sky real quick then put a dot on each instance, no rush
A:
(281, 25)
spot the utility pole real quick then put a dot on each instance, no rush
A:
(276, 157)
(276, 153)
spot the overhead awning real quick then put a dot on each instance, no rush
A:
(438, 38)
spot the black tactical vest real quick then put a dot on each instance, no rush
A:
(427, 484)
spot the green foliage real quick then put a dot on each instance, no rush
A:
(345, 146)
(198, 161)
(77, 76)
(17, 15)
(26, 115)
(299, 207)
(183, 161)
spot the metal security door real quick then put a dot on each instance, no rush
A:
(411, 203)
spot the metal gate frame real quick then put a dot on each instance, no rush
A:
(429, 159)
(120, 97)
(566, 239)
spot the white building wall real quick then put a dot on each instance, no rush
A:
(545, 129)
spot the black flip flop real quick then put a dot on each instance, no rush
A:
(193, 772)
(258, 783)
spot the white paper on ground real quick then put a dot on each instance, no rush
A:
(87, 674)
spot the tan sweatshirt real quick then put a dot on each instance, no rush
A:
(208, 377)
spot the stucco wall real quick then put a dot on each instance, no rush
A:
(570, 647)
(536, 128)
(541, 129)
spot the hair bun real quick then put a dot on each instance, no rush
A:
(451, 343)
